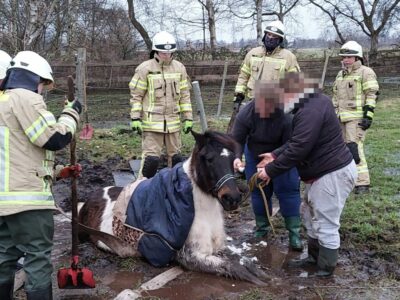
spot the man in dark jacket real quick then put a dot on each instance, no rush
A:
(323, 161)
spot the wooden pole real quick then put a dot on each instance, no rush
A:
(200, 107)
(80, 77)
(326, 55)
(221, 93)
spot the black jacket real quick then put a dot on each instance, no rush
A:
(317, 146)
(261, 135)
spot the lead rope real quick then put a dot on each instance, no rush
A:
(252, 185)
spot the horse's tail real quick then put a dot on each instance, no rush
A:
(245, 270)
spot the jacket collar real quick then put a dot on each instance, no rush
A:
(353, 67)
(162, 63)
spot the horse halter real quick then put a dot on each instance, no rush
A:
(221, 182)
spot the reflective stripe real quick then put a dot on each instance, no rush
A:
(137, 106)
(370, 101)
(26, 197)
(185, 107)
(245, 69)
(184, 84)
(372, 84)
(240, 89)
(350, 115)
(159, 126)
(39, 126)
(142, 85)
(69, 122)
(4, 158)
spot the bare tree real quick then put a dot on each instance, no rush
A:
(209, 6)
(372, 17)
(139, 27)
(279, 8)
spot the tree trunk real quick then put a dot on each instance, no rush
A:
(211, 27)
(259, 20)
(374, 49)
(137, 25)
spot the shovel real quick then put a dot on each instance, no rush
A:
(74, 277)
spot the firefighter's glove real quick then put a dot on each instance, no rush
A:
(136, 125)
(237, 101)
(187, 126)
(366, 121)
(70, 171)
(75, 105)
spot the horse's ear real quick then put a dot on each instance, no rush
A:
(199, 138)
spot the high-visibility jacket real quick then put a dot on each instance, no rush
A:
(26, 168)
(353, 88)
(160, 95)
(260, 65)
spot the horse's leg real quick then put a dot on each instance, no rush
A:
(97, 213)
(213, 264)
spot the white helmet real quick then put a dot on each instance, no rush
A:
(5, 60)
(276, 27)
(164, 42)
(351, 48)
(33, 62)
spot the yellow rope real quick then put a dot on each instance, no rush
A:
(253, 183)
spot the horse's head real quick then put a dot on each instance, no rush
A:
(212, 167)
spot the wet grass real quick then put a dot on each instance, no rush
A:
(373, 220)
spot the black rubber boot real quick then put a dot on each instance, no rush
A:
(40, 294)
(311, 259)
(361, 189)
(6, 290)
(150, 166)
(327, 260)
(293, 225)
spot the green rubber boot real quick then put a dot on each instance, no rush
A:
(262, 226)
(327, 260)
(293, 225)
(311, 259)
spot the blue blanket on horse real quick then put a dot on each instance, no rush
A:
(163, 208)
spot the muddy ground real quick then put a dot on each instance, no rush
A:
(360, 275)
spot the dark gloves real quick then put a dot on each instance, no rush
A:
(187, 126)
(75, 105)
(366, 121)
(136, 125)
(353, 147)
(70, 171)
(237, 101)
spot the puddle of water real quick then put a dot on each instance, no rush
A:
(118, 281)
(392, 171)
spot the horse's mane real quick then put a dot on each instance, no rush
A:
(213, 139)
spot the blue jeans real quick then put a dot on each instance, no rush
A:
(285, 186)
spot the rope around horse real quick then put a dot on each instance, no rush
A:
(253, 183)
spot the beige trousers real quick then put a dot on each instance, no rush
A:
(353, 133)
(154, 142)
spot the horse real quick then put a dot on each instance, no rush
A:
(205, 184)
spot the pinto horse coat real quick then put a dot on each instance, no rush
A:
(186, 223)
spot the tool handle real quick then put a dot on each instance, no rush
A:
(74, 201)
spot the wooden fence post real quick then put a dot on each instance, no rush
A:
(80, 76)
(326, 55)
(221, 93)
(200, 107)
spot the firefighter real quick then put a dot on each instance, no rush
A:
(354, 96)
(29, 135)
(268, 63)
(5, 60)
(160, 102)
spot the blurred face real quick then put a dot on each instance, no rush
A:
(348, 60)
(266, 98)
(165, 56)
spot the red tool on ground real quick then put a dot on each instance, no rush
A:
(74, 277)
